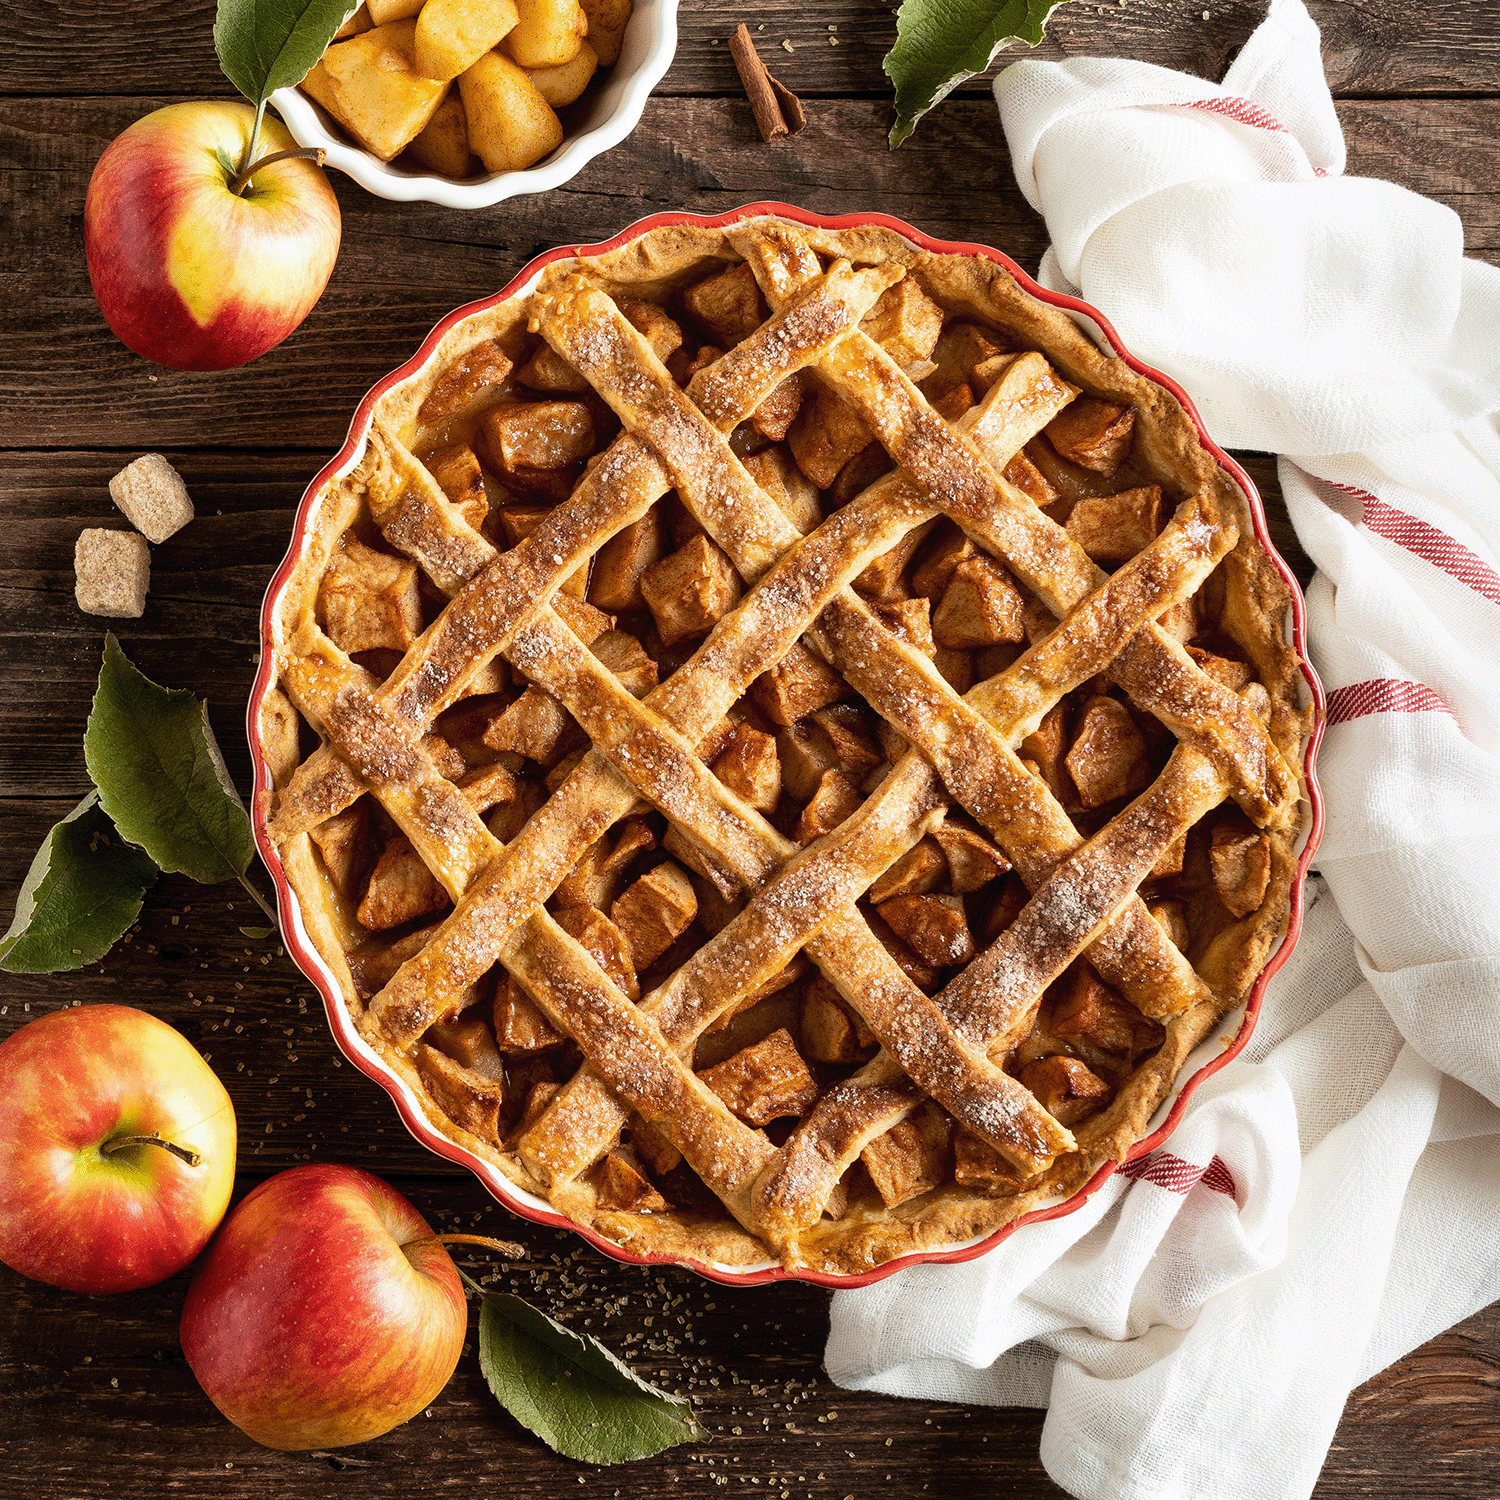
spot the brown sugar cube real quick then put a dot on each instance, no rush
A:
(1065, 1088)
(455, 467)
(623, 1187)
(370, 599)
(775, 471)
(1031, 481)
(468, 1040)
(112, 572)
(911, 1158)
(1235, 675)
(980, 607)
(468, 1098)
(535, 726)
(774, 416)
(982, 1169)
(601, 938)
(1170, 861)
(587, 621)
(1241, 860)
(766, 1082)
(934, 568)
(960, 348)
(750, 767)
(473, 373)
(804, 753)
(835, 799)
(854, 751)
(828, 432)
(654, 912)
(152, 496)
(523, 435)
(1093, 434)
(920, 870)
(933, 927)
(549, 372)
(729, 306)
(1108, 757)
(521, 1025)
(344, 843)
(868, 465)
(1046, 747)
(661, 330)
(689, 591)
(881, 579)
(829, 1030)
(627, 659)
(624, 559)
(400, 888)
(911, 619)
(799, 683)
(973, 860)
(1087, 1009)
(1113, 528)
(905, 322)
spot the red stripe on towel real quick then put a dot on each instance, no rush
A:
(1162, 1169)
(1427, 542)
(1384, 695)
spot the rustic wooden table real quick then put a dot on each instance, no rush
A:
(95, 1396)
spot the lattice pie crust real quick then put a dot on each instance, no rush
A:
(784, 744)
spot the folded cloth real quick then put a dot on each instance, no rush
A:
(1332, 1198)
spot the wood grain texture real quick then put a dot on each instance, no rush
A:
(404, 266)
(1370, 47)
(95, 1398)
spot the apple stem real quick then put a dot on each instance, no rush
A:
(183, 1153)
(501, 1247)
(299, 153)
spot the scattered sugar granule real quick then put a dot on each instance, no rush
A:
(153, 497)
(112, 573)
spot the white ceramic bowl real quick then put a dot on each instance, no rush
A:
(613, 109)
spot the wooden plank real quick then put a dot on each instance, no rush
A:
(1383, 48)
(405, 265)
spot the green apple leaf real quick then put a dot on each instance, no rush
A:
(939, 43)
(265, 45)
(571, 1391)
(160, 775)
(82, 892)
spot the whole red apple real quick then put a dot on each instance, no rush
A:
(189, 273)
(80, 1205)
(314, 1321)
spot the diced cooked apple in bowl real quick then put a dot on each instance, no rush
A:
(463, 86)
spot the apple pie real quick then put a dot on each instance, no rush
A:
(783, 744)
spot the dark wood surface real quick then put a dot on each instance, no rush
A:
(95, 1398)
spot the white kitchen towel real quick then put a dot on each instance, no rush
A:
(1331, 1199)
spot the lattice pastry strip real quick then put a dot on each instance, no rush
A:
(955, 1045)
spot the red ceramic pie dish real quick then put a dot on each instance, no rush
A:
(1219, 1048)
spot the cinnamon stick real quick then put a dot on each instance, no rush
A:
(778, 111)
